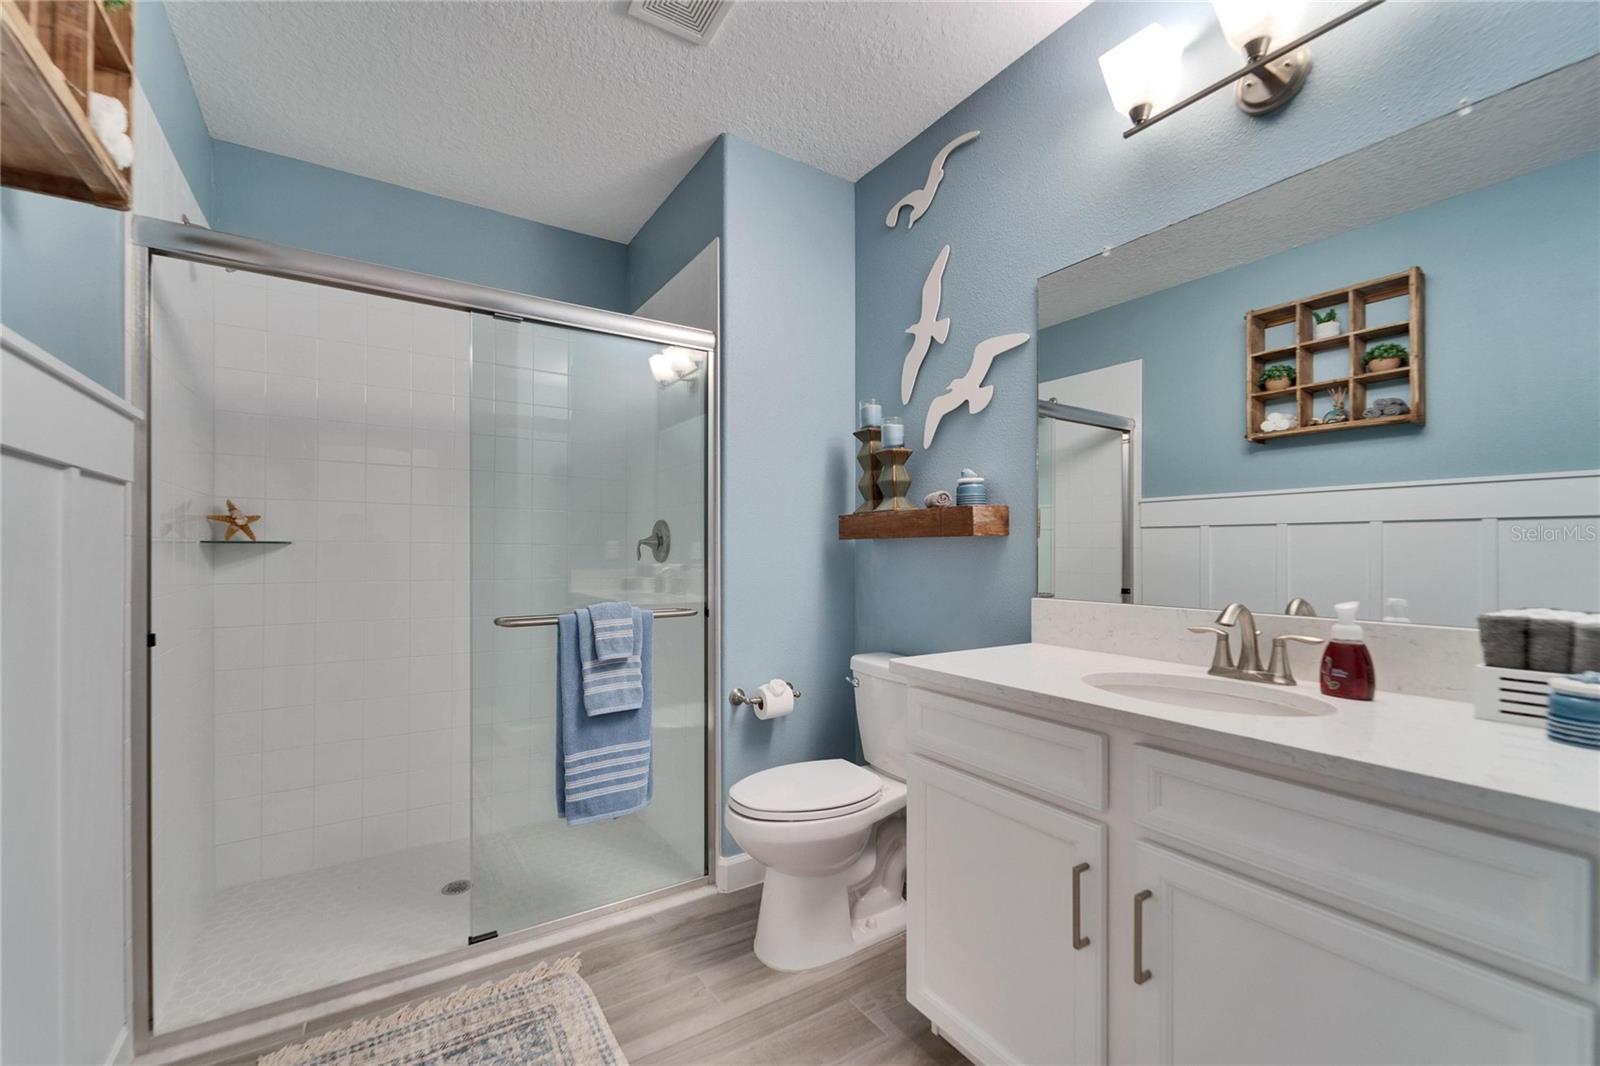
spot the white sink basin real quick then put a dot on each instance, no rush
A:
(1212, 694)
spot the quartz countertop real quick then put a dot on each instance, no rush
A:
(1411, 745)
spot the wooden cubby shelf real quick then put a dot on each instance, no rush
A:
(1356, 339)
(53, 54)
(986, 520)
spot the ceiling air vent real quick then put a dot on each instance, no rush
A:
(693, 20)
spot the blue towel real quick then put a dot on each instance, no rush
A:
(603, 763)
(617, 684)
(613, 630)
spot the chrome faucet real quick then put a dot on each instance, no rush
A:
(1248, 667)
(659, 542)
(1301, 606)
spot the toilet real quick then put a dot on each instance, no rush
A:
(832, 836)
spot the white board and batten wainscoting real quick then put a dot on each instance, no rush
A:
(1452, 548)
(66, 463)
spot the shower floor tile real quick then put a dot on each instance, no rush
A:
(268, 940)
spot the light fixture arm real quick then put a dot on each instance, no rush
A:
(1257, 66)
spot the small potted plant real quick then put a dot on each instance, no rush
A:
(1325, 323)
(1276, 378)
(1382, 357)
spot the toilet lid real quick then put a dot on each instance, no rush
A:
(805, 791)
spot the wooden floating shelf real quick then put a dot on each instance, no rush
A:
(1355, 341)
(987, 520)
(53, 54)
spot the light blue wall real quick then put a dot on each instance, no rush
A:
(788, 262)
(61, 261)
(1051, 180)
(687, 220)
(1513, 278)
(164, 76)
(303, 205)
(61, 280)
(787, 347)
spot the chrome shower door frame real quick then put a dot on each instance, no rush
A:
(150, 237)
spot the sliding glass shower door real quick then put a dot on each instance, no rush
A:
(351, 766)
(588, 457)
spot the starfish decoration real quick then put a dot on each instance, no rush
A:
(236, 521)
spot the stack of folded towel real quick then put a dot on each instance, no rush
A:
(1575, 710)
(1537, 638)
(603, 748)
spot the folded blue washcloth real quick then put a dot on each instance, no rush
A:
(613, 630)
(603, 763)
(612, 685)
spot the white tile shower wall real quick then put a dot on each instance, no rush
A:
(520, 531)
(341, 668)
(182, 470)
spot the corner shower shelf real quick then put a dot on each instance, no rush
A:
(245, 540)
(988, 520)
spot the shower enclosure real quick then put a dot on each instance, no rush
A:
(348, 752)
(1086, 520)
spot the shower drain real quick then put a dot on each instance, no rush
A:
(455, 888)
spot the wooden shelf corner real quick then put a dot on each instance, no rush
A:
(52, 56)
(987, 520)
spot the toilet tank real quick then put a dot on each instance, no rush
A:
(881, 712)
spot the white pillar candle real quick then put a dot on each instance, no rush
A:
(894, 433)
(871, 413)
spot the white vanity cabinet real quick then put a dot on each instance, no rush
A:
(1235, 971)
(1083, 895)
(1006, 945)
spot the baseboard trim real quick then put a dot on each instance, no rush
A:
(736, 872)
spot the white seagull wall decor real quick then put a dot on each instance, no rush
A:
(969, 388)
(919, 199)
(928, 328)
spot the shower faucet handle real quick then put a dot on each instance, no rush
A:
(659, 542)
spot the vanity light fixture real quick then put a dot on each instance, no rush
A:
(1142, 72)
(672, 365)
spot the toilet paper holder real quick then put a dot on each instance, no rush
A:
(758, 701)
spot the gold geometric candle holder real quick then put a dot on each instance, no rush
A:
(867, 456)
(897, 478)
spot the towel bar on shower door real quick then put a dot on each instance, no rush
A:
(523, 621)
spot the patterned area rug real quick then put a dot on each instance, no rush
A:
(546, 1016)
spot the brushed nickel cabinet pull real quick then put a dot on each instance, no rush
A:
(1140, 974)
(1079, 941)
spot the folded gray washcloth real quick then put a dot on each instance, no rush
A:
(1504, 636)
(1550, 641)
(1586, 644)
(938, 498)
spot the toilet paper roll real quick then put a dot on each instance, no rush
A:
(777, 699)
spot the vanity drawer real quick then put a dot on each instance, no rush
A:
(1465, 886)
(1056, 762)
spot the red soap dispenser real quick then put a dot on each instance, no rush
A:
(1346, 664)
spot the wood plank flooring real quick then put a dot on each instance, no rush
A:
(684, 987)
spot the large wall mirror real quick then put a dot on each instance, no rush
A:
(1392, 397)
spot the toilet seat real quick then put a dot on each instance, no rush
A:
(806, 791)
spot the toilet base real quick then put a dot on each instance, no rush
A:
(806, 922)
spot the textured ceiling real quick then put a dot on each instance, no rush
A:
(573, 114)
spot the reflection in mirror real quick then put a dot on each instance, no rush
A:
(1392, 396)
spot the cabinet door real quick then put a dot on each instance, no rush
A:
(1242, 973)
(991, 953)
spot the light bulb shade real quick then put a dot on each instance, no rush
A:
(1143, 70)
(661, 368)
(1243, 21)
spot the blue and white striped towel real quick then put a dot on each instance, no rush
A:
(603, 763)
(613, 630)
(611, 685)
